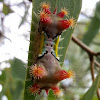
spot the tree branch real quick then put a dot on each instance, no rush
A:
(91, 57)
(92, 66)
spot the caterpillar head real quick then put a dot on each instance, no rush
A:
(53, 24)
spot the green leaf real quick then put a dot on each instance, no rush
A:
(1, 0)
(4, 80)
(6, 9)
(51, 95)
(16, 95)
(97, 13)
(93, 28)
(8, 94)
(13, 88)
(3, 77)
(18, 69)
(89, 94)
(74, 7)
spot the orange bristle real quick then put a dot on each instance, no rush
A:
(72, 22)
(33, 89)
(65, 11)
(61, 75)
(38, 72)
(56, 91)
(45, 5)
(45, 18)
(63, 24)
(43, 14)
(71, 74)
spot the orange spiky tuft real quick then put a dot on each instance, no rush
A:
(43, 14)
(33, 89)
(45, 5)
(56, 91)
(61, 75)
(63, 24)
(63, 13)
(72, 22)
(38, 72)
(45, 18)
(71, 74)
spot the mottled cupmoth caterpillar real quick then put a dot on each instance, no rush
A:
(46, 71)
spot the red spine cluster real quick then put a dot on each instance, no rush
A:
(45, 17)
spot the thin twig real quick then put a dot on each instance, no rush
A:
(98, 65)
(92, 66)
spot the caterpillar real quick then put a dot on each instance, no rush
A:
(46, 71)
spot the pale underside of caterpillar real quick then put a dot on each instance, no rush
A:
(46, 71)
